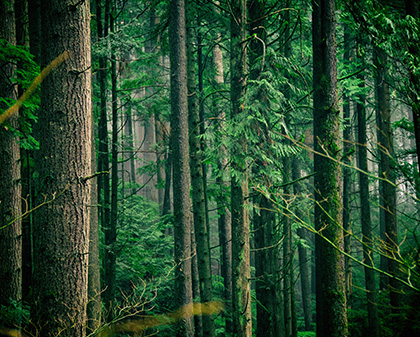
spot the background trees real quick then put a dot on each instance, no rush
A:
(222, 129)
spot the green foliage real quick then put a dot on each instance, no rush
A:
(25, 73)
(306, 334)
(14, 314)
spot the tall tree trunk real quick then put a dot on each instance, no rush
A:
(198, 196)
(61, 233)
(387, 188)
(224, 221)
(110, 258)
(10, 203)
(365, 217)
(180, 156)
(347, 179)
(288, 281)
(241, 283)
(304, 260)
(94, 280)
(104, 195)
(330, 288)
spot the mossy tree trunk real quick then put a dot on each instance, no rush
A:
(241, 283)
(330, 288)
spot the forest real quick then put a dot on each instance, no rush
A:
(203, 168)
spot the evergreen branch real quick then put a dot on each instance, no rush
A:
(37, 81)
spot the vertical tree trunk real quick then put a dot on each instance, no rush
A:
(365, 217)
(347, 179)
(304, 260)
(330, 289)
(94, 280)
(387, 188)
(180, 156)
(61, 233)
(241, 283)
(224, 221)
(10, 203)
(110, 258)
(198, 196)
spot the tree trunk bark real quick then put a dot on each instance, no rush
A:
(304, 260)
(180, 156)
(241, 274)
(365, 217)
(347, 177)
(388, 188)
(330, 288)
(198, 196)
(10, 190)
(224, 222)
(61, 233)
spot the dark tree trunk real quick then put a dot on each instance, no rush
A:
(241, 283)
(330, 288)
(10, 190)
(198, 196)
(365, 217)
(61, 233)
(110, 258)
(387, 188)
(180, 156)
(347, 176)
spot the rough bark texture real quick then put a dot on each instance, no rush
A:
(10, 203)
(365, 218)
(198, 196)
(241, 283)
(180, 159)
(61, 233)
(330, 289)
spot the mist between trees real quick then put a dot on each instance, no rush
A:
(209, 168)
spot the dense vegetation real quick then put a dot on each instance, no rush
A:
(260, 157)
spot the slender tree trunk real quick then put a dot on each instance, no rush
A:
(111, 228)
(180, 155)
(10, 190)
(365, 213)
(330, 288)
(304, 260)
(387, 188)
(61, 233)
(198, 196)
(104, 195)
(347, 178)
(198, 319)
(241, 283)
(224, 222)
(94, 280)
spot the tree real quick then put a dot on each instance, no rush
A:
(180, 160)
(365, 205)
(61, 233)
(241, 285)
(10, 209)
(330, 290)
(201, 228)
